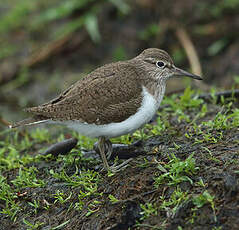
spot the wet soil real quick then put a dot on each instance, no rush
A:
(217, 163)
(218, 168)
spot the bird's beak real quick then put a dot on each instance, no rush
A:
(180, 72)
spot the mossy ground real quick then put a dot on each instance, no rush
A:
(185, 175)
(184, 172)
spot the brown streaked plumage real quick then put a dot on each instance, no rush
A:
(104, 96)
(113, 100)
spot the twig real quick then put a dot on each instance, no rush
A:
(191, 52)
(51, 49)
(45, 52)
(4, 122)
(42, 54)
(225, 94)
(135, 197)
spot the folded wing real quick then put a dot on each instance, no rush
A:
(106, 95)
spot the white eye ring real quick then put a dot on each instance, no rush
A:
(160, 64)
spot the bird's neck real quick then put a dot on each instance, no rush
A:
(156, 89)
(155, 86)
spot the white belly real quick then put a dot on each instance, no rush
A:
(147, 110)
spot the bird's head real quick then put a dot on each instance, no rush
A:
(160, 65)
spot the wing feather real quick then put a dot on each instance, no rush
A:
(108, 94)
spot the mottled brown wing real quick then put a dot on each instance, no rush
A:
(109, 94)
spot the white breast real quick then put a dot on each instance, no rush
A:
(147, 110)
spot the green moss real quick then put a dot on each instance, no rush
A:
(27, 178)
(177, 171)
(8, 196)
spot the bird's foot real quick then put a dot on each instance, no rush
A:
(118, 167)
(106, 146)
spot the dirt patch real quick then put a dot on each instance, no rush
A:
(180, 179)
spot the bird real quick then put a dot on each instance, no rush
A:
(113, 100)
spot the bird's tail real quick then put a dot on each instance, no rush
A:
(29, 121)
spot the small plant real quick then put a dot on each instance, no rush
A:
(201, 183)
(171, 205)
(41, 135)
(8, 196)
(60, 226)
(161, 125)
(31, 226)
(86, 181)
(27, 178)
(149, 32)
(211, 131)
(35, 204)
(218, 123)
(205, 198)
(148, 209)
(113, 199)
(61, 197)
(93, 207)
(189, 101)
(234, 118)
(11, 209)
(119, 53)
(178, 171)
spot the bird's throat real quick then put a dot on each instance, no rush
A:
(157, 90)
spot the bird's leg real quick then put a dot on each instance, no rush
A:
(102, 148)
(109, 148)
(115, 167)
(105, 147)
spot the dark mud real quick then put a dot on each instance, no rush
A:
(217, 167)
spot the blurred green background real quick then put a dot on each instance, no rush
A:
(45, 46)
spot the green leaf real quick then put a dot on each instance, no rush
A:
(217, 46)
(123, 7)
(91, 24)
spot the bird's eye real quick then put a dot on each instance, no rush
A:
(160, 64)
